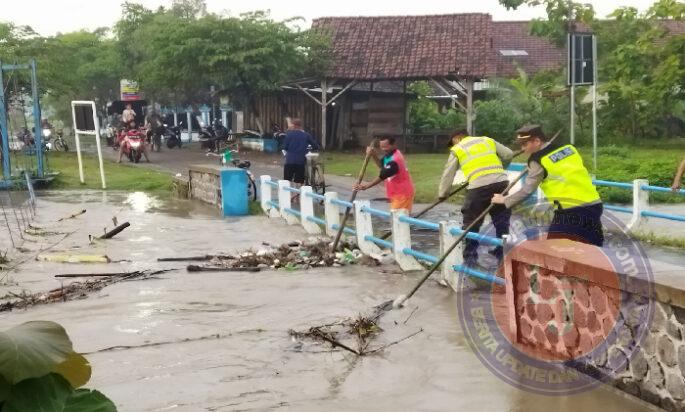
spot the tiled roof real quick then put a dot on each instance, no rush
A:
(409, 47)
(515, 35)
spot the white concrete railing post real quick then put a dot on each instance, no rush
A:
(449, 276)
(265, 193)
(284, 202)
(401, 239)
(640, 204)
(332, 213)
(364, 227)
(307, 210)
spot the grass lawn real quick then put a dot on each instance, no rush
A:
(118, 176)
(655, 161)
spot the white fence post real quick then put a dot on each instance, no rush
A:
(332, 213)
(401, 239)
(364, 226)
(265, 193)
(284, 202)
(307, 210)
(640, 204)
(449, 275)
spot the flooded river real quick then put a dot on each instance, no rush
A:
(220, 342)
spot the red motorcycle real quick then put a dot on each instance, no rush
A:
(133, 141)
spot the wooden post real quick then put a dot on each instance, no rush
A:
(469, 106)
(404, 114)
(324, 106)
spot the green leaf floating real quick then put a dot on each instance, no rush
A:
(52, 393)
(32, 349)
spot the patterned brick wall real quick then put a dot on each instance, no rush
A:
(605, 327)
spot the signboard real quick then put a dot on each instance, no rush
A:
(581, 65)
(129, 90)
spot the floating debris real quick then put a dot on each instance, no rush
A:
(294, 256)
(74, 258)
(72, 291)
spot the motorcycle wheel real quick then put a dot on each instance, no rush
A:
(171, 142)
(136, 159)
(130, 156)
(61, 146)
(252, 190)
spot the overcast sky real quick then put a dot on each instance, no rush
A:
(51, 16)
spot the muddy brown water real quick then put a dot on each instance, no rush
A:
(219, 342)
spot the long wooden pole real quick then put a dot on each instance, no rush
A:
(362, 172)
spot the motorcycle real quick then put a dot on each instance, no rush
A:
(58, 144)
(211, 136)
(133, 145)
(172, 136)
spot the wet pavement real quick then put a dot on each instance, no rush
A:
(220, 342)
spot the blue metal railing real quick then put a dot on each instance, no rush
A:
(272, 183)
(420, 223)
(316, 196)
(292, 212)
(677, 218)
(619, 209)
(273, 204)
(292, 189)
(607, 183)
(493, 241)
(420, 255)
(377, 212)
(379, 241)
(347, 230)
(342, 203)
(659, 189)
(316, 220)
(478, 274)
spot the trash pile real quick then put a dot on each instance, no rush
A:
(292, 256)
(72, 291)
(353, 334)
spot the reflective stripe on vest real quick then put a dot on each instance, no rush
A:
(477, 157)
(568, 182)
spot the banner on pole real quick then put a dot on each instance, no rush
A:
(129, 90)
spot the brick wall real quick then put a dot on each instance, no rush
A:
(568, 303)
(205, 184)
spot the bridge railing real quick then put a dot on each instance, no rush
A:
(276, 201)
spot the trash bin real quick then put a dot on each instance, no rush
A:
(234, 201)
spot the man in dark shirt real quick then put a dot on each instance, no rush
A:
(295, 147)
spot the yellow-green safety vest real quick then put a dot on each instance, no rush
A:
(568, 182)
(477, 157)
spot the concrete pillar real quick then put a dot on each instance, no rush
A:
(189, 117)
(324, 107)
(640, 204)
(307, 209)
(364, 227)
(265, 193)
(175, 119)
(470, 117)
(224, 117)
(401, 239)
(285, 203)
(449, 277)
(332, 213)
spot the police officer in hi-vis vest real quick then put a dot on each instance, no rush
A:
(483, 162)
(560, 173)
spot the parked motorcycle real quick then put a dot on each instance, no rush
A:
(172, 136)
(212, 135)
(58, 143)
